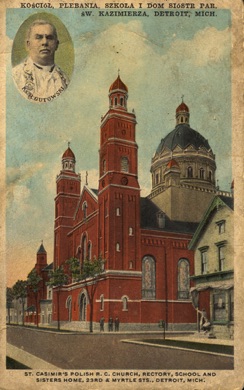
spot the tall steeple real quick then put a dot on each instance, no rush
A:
(119, 191)
(68, 193)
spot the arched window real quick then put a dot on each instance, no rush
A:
(69, 307)
(130, 231)
(124, 303)
(148, 278)
(121, 101)
(183, 279)
(117, 247)
(115, 101)
(83, 304)
(124, 164)
(117, 212)
(201, 172)
(104, 166)
(84, 208)
(89, 250)
(102, 302)
(84, 243)
(189, 172)
(210, 175)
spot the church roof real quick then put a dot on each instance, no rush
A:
(118, 84)
(41, 249)
(183, 135)
(48, 267)
(68, 153)
(149, 220)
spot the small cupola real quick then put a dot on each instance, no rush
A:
(68, 160)
(182, 114)
(118, 95)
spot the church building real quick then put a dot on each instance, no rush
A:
(144, 241)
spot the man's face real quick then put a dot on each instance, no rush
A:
(42, 44)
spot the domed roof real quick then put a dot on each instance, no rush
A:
(68, 154)
(182, 107)
(118, 84)
(183, 136)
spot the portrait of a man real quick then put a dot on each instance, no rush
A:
(38, 77)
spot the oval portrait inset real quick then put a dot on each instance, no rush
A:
(42, 58)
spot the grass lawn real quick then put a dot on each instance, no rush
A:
(226, 349)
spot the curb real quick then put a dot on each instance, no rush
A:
(179, 348)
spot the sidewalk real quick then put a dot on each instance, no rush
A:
(26, 358)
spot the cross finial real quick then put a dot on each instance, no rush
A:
(118, 72)
(86, 178)
(182, 97)
(68, 144)
(42, 242)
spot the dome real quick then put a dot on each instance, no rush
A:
(182, 107)
(68, 154)
(118, 84)
(183, 136)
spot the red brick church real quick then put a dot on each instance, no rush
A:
(144, 241)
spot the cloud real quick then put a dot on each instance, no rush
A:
(208, 46)
(18, 191)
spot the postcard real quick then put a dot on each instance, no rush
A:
(121, 195)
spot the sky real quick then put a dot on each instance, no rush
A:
(160, 59)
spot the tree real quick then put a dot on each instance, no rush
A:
(74, 268)
(58, 278)
(90, 271)
(9, 300)
(33, 283)
(20, 292)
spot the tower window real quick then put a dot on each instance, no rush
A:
(189, 172)
(124, 163)
(130, 231)
(115, 101)
(117, 247)
(157, 178)
(121, 101)
(118, 212)
(201, 173)
(210, 175)
(104, 166)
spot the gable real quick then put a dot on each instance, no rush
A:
(88, 201)
(217, 205)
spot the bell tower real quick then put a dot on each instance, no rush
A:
(68, 193)
(119, 190)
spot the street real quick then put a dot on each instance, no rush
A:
(106, 351)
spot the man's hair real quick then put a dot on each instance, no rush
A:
(40, 22)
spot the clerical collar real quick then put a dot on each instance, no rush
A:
(45, 68)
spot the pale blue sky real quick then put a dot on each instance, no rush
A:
(159, 60)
